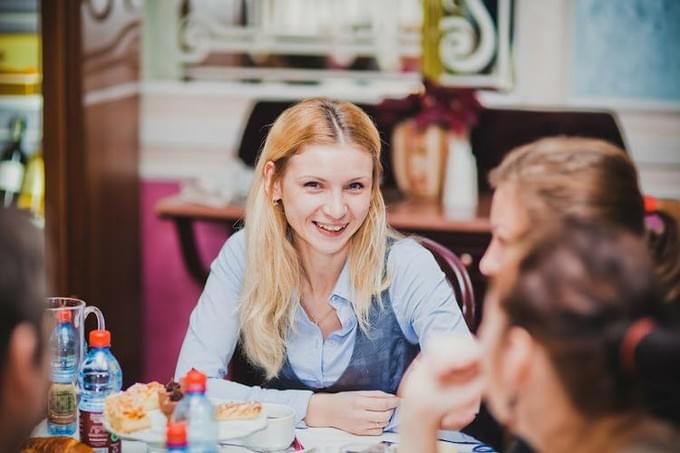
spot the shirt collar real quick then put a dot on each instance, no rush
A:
(343, 287)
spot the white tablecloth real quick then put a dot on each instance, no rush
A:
(324, 440)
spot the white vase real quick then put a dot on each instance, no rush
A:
(460, 185)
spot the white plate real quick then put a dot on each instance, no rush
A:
(227, 430)
(279, 433)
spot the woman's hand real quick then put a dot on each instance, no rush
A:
(443, 386)
(364, 413)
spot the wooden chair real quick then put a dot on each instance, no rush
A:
(457, 275)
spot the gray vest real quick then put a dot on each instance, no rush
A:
(379, 359)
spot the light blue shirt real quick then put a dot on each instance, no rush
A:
(422, 300)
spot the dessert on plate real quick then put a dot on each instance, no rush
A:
(169, 396)
(128, 411)
(246, 410)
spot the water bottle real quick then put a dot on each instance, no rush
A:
(62, 411)
(176, 438)
(198, 413)
(64, 349)
(100, 376)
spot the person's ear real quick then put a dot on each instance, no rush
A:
(24, 369)
(273, 188)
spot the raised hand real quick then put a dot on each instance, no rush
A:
(444, 383)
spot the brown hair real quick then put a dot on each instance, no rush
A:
(23, 282)
(590, 179)
(577, 290)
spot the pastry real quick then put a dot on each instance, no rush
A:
(238, 411)
(126, 412)
(58, 444)
(147, 394)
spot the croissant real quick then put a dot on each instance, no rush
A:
(60, 444)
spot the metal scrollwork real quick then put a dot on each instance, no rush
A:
(196, 37)
(464, 48)
(99, 12)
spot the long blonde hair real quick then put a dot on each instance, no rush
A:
(273, 268)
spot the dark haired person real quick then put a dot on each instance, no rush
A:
(23, 353)
(562, 359)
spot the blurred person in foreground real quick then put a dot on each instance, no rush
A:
(23, 349)
(562, 359)
(553, 178)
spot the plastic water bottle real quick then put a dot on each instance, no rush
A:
(100, 376)
(198, 413)
(64, 349)
(176, 438)
(62, 411)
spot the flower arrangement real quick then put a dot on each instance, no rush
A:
(429, 141)
(454, 109)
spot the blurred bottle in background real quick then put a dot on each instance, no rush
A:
(176, 438)
(13, 162)
(198, 413)
(62, 410)
(32, 196)
(100, 375)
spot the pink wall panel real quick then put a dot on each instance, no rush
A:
(168, 291)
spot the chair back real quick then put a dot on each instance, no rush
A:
(457, 276)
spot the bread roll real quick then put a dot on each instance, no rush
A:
(61, 444)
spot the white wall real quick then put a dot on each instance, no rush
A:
(192, 128)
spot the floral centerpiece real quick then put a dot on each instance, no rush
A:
(428, 126)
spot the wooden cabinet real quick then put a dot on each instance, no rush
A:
(90, 142)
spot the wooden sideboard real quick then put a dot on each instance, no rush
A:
(468, 238)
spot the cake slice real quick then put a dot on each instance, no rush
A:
(126, 413)
(238, 411)
(147, 394)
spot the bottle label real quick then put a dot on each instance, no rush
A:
(93, 433)
(11, 176)
(61, 404)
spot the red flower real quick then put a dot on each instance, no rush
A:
(455, 109)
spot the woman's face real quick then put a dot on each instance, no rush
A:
(509, 221)
(326, 194)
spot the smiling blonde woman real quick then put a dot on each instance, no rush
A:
(327, 305)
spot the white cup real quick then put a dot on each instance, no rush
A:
(279, 432)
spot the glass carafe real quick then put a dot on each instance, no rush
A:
(79, 311)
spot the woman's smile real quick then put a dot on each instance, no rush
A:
(332, 230)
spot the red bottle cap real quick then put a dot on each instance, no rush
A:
(195, 381)
(176, 435)
(100, 338)
(64, 315)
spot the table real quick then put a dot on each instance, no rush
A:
(406, 215)
(322, 440)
